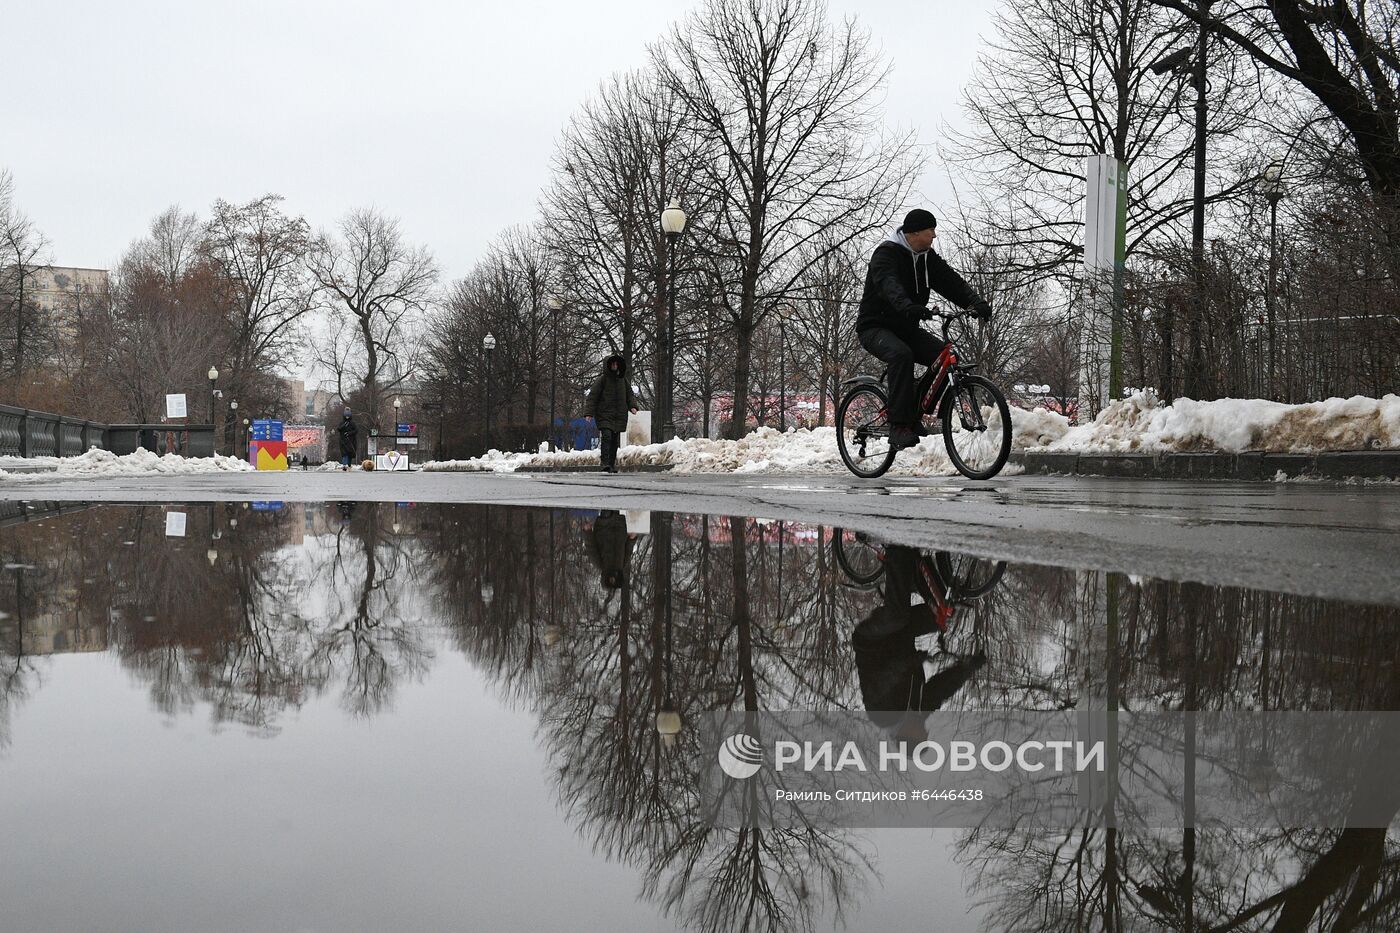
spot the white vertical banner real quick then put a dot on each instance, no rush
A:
(1105, 192)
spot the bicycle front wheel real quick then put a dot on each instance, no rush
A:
(976, 427)
(863, 432)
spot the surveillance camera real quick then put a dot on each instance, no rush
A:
(1170, 62)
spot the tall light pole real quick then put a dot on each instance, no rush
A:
(488, 344)
(398, 403)
(1273, 190)
(233, 426)
(213, 392)
(554, 304)
(1195, 381)
(782, 369)
(1178, 61)
(672, 226)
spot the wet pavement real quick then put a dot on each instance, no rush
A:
(1335, 540)
(339, 716)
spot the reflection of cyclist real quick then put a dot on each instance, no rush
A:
(902, 272)
(900, 684)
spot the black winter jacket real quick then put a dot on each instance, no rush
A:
(611, 397)
(898, 283)
(349, 435)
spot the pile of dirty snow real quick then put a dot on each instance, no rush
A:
(105, 463)
(766, 450)
(1142, 424)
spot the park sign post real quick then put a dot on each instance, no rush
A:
(1105, 246)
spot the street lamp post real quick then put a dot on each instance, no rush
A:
(233, 424)
(1196, 377)
(488, 344)
(1178, 61)
(1273, 191)
(554, 305)
(672, 226)
(213, 392)
(398, 403)
(782, 370)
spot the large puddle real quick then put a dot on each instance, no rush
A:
(428, 717)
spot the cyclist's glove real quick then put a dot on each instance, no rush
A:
(981, 308)
(926, 314)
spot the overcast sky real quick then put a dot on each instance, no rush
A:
(442, 113)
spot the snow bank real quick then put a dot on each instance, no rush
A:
(1143, 424)
(766, 450)
(105, 463)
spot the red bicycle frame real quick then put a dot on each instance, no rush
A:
(933, 388)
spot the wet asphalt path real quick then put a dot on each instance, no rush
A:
(1334, 540)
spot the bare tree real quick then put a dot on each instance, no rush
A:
(787, 101)
(23, 250)
(376, 287)
(260, 255)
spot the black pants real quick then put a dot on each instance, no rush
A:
(901, 350)
(611, 440)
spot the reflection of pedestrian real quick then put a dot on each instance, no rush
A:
(899, 683)
(608, 404)
(611, 548)
(349, 440)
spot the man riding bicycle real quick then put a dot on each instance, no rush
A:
(902, 272)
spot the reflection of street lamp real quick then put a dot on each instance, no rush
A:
(668, 718)
(672, 225)
(213, 556)
(488, 593)
(488, 344)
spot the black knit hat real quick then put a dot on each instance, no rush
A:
(918, 219)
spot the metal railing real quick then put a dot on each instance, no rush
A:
(28, 433)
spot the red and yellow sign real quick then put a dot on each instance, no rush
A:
(268, 455)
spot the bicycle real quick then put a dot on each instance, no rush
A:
(978, 439)
(946, 580)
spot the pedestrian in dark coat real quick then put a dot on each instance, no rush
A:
(612, 548)
(349, 440)
(903, 271)
(608, 404)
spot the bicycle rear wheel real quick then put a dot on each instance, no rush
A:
(976, 427)
(863, 432)
(969, 577)
(861, 560)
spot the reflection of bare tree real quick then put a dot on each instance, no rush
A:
(696, 617)
(365, 635)
(1190, 647)
(269, 623)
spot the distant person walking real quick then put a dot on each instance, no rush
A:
(608, 404)
(349, 440)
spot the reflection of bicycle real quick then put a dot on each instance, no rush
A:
(975, 420)
(946, 579)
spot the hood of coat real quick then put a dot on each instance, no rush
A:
(621, 365)
(897, 236)
(920, 260)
